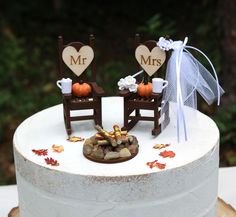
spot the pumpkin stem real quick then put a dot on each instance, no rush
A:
(81, 82)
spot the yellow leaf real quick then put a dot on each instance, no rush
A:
(160, 146)
(75, 139)
(58, 148)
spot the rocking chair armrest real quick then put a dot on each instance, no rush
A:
(97, 90)
(125, 93)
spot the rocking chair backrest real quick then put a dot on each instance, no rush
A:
(77, 46)
(150, 44)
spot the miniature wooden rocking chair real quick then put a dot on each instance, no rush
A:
(134, 103)
(75, 58)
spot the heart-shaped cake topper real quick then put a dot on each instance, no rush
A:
(78, 61)
(150, 61)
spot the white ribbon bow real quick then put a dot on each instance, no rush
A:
(186, 76)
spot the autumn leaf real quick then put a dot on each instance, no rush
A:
(40, 152)
(169, 154)
(75, 139)
(151, 164)
(155, 163)
(51, 161)
(58, 148)
(160, 166)
(160, 146)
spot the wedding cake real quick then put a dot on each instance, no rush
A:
(165, 179)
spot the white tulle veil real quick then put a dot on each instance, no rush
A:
(186, 76)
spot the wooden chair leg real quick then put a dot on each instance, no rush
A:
(98, 112)
(137, 113)
(67, 120)
(157, 129)
(126, 114)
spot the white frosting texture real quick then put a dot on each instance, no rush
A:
(78, 187)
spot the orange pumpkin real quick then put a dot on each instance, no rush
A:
(83, 89)
(145, 90)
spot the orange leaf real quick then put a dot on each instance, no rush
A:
(58, 148)
(151, 164)
(155, 163)
(75, 139)
(51, 161)
(161, 146)
(160, 166)
(169, 154)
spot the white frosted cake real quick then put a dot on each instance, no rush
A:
(77, 187)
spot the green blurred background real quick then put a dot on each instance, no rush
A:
(28, 53)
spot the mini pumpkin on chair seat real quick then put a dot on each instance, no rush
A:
(145, 90)
(81, 89)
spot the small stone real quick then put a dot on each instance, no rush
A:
(112, 155)
(125, 152)
(135, 141)
(87, 149)
(119, 147)
(131, 139)
(93, 139)
(98, 154)
(88, 142)
(133, 148)
(107, 149)
(126, 145)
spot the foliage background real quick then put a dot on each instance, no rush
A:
(28, 54)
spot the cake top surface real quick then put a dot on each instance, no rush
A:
(46, 128)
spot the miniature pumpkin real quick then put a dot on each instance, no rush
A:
(145, 90)
(83, 89)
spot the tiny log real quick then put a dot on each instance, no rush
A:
(117, 133)
(103, 142)
(106, 135)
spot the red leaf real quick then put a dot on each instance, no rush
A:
(155, 163)
(51, 161)
(160, 166)
(169, 154)
(151, 164)
(40, 152)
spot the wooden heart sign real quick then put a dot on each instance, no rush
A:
(150, 61)
(78, 61)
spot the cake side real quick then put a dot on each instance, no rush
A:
(181, 188)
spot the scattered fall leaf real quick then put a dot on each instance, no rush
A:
(160, 166)
(151, 164)
(155, 163)
(169, 154)
(58, 148)
(40, 152)
(160, 146)
(75, 139)
(51, 161)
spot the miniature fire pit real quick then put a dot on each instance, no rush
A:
(110, 147)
